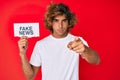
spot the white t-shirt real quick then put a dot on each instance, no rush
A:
(58, 62)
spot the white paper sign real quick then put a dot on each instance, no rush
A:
(26, 29)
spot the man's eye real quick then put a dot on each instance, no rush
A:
(55, 20)
(65, 20)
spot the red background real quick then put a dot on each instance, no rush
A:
(99, 22)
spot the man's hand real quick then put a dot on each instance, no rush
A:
(23, 44)
(77, 45)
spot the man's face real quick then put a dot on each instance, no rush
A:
(60, 26)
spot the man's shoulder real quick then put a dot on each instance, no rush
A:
(43, 40)
(73, 36)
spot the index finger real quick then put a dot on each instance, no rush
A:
(77, 39)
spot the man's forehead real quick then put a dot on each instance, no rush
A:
(60, 17)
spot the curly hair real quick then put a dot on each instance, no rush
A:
(59, 9)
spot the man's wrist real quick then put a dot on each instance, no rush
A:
(22, 54)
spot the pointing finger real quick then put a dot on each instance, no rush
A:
(77, 39)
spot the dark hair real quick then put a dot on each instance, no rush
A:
(59, 9)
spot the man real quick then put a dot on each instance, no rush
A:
(58, 53)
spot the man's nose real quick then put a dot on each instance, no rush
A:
(60, 24)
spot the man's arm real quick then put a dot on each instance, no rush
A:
(87, 53)
(90, 56)
(29, 70)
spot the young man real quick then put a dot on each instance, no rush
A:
(58, 53)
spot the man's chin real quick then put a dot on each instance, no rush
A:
(63, 34)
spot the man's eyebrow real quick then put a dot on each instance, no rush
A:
(55, 19)
(65, 19)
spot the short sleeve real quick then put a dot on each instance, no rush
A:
(35, 59)
(84, 42)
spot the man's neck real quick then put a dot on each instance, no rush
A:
(61, 36)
